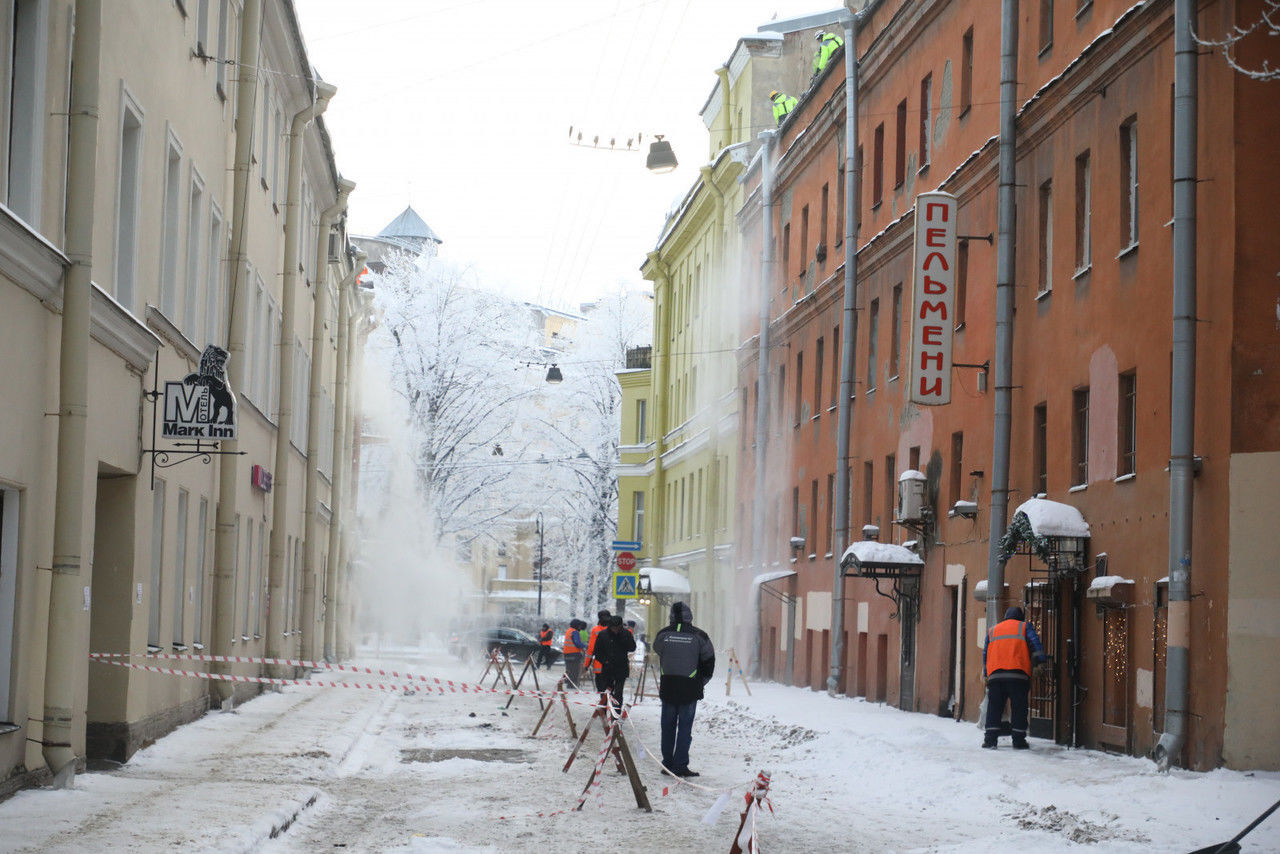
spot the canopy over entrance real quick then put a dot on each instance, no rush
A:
(871, 559)
(666, 581)
(1054, 532)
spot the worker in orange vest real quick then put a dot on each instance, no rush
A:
(1011, 651)
(573, 649)
(544, 646)
(602, 621)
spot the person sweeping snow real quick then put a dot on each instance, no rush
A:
(1011, 647)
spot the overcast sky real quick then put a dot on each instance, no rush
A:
(462, 108)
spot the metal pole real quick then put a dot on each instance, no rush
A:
(540, 558)
(762, 373)
(225, 540)
(844, 407)
(1004, 307)
(68, 621)
(1183, 401)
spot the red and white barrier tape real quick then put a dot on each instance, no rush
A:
(418, 683)
(412, 684)
(747, 840)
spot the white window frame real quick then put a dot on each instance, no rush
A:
(180, 569)
(195, 258)
(215, 278)
(128, 199)
(171, 225)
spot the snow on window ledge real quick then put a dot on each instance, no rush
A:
(1079, 487)
(1125, 478)
(1127, 251)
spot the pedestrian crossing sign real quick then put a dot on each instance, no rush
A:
(626, 585)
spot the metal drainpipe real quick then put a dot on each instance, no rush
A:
(1004, 306)
(281, 493)
(1183, 404)
(224, 549)
(848, 344)
(713, 492)
(762, 375)
(319, 347)
(68, 624)
(345, 298)
(661, 360)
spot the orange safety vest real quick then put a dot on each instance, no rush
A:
(1007, 647)
(591, 648)
(570, 648)
(544, 637)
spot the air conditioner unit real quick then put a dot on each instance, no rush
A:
(335, 247)
(911, 500)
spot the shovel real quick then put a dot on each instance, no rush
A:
(1232, 845)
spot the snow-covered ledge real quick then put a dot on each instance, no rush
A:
(1111, 590)
(980, 590)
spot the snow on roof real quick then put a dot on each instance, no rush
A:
(1053, 518)
(766, 577)
(665, 580)
(870, 552)
(409, 224)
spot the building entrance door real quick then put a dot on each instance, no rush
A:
(1044, 613)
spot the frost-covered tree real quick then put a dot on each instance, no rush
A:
(1250, 36)
(582, 419)
(453, 352)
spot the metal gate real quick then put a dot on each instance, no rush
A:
(1045, 613)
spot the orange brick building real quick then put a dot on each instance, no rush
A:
(1091, 370)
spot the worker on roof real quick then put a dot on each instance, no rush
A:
(828, 44)
(782, 105)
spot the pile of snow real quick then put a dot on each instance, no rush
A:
(1053, 518)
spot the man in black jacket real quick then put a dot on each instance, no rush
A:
(687, 662)
(614, 646)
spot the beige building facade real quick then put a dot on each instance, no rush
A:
(190, 199)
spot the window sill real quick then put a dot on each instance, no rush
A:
(923, 169)
(832, 408)
(197, 645)
(179, 647)
(959, 326)
(152, 650)
(964, 112)
(1047, 292)
(1081, 272)
(1128, 250)
(877, 205)
(1084, 8)
(869, 392)
(1045, 51)
(1125, 478)
(244, 638)
(815, 416)
(893, 379)
(1079, 487)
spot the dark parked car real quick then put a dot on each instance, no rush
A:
(516, 644)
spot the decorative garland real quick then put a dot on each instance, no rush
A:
(1020, 532)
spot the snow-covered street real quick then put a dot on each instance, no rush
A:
(363, 770)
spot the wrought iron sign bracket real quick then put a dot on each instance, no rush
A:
(181, 452)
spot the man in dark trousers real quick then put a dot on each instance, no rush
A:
(687, 661)
(574, 647)
(614, 646)
(1012, 649)
(545, 636)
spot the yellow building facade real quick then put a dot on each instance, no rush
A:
(691, 447)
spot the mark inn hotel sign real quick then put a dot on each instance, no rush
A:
(201, 406)
(933, 303)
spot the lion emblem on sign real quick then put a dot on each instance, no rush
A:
(213, 376)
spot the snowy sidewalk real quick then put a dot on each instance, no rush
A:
(370, 771)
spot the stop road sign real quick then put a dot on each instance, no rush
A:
(626, 561)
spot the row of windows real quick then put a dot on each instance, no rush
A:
(686, 503)
(959, 484)
(184, 586)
